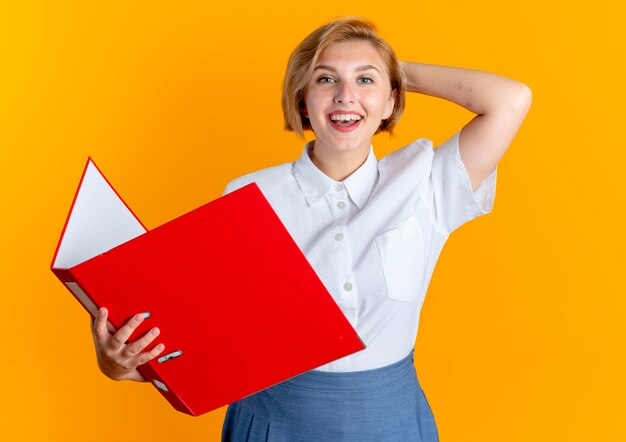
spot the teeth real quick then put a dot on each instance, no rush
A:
(345, 117)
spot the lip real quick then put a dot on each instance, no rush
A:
(345, 112)
(345, 129)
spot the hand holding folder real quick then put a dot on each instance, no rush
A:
(117, 358)
(238, 305)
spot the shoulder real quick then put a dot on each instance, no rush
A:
(411, 158)
(266, 179)
(419, 148)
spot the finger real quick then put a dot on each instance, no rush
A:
(100, 325)
(140, 344)
(149, 355)
(121, 336)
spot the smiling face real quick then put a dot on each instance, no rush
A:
(348, 96)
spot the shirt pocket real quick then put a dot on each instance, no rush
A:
(402, 256)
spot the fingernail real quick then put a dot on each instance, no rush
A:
(138, 317)
(160, 347)
(154, 331)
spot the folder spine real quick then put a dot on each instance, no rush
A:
(150, 374)
(75, 288)
(147, 370)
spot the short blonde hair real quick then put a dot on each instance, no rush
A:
(302, 63)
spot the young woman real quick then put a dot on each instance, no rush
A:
(372, 229)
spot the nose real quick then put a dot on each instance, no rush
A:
(344, 93)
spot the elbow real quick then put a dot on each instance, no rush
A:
(521, 99)
(514, 100)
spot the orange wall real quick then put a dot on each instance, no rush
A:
(522, 334)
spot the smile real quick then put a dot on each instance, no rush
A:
(345, 122)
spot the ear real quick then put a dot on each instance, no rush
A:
(390, 104)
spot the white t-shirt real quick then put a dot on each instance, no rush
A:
(375, 237)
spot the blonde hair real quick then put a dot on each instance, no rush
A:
(302, 63)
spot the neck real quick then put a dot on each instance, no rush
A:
(337, 165)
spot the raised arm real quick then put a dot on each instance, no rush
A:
(501, 104)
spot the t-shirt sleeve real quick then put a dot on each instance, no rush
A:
(228, 189)
(452, 199)
(237, 184)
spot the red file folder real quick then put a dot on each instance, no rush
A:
(239, 306)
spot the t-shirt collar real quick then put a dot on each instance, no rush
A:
(315, 184)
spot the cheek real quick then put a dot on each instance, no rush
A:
(316, 99)
(316, 107)
(377, 105)
(313, 113)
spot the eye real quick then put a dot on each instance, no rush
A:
(366, 80)
(325, 79)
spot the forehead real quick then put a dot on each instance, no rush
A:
(351, 53)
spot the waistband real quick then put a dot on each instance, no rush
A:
(353, 380)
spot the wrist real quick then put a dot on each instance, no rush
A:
(412, 75)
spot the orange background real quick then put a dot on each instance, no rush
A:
(522, 334)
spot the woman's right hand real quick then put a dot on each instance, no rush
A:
(117, 359)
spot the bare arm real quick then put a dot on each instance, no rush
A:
(501, 104)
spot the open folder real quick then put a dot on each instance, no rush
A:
(239, 306)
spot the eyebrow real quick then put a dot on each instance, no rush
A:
(365, 67)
